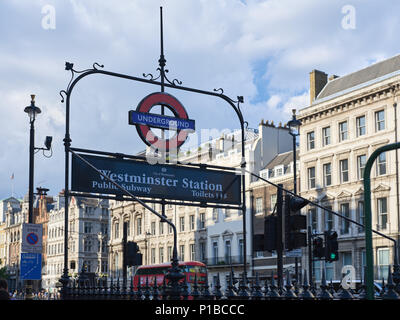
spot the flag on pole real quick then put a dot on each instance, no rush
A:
(12, 176)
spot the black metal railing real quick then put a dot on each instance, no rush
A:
(238, 288)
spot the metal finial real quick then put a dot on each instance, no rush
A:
(32, 98)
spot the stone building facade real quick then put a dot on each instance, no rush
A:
(348, 118)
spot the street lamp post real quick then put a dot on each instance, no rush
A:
(32, 111)
(294, 131)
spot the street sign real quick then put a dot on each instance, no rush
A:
(295, 253)
(155, 181)
(144, 121)
(31, 266)
(32, 238)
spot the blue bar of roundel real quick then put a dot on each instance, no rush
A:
(159, 121)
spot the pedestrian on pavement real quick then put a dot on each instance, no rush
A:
(4, 295)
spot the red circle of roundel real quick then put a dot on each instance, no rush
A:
(162, 98)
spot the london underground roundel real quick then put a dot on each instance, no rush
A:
(145, 120)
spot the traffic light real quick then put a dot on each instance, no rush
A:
(133, 257)
(270, 228)
(318, 247)
(331, 246)
(295, 223)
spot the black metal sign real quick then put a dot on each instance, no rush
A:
(155, 181)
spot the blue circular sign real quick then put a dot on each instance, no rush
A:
(32, 238)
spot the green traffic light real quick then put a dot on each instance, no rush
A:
(333, 256)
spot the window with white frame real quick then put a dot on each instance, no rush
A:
(380, 120)
(383, 263)
(311, 177)
(345, 211)
(153, 255)
(360, 126)
(327, 174)
(312, 213)
(310, 140)
(273, 201)
(259, 205)
(191, 221)
(228, 252)
(344, 170)
(161, 254)
(202, 220)
(182, 223)
(192, 252)
(361, 161)
(215, 252)
(326, 136)
(161, 227)
(215, 214)
(139, 226)
(328, 216)
(343, 131)
(381, 164)
(382, 213)
(360, 215)
(153, 228)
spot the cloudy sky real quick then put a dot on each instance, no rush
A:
(262, 50)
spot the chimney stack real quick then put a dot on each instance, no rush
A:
(318, 80)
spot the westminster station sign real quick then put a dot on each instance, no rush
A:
(155, 181)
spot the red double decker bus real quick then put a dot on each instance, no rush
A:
(159, 271)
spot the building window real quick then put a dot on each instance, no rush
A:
(228, 253)
(278, 171)
(343, 131)
(87, 245)
(259, 205)
(347, 259)
(191, 221)
(382, 213)
(161, 254)
(169, 253)
(360, 215)
(344, 170)
(116, 230)
(327, 174)
(383, 263)
(345, 211)
(312, 213)
(161, 227)
(360, 124)
(311, 178)
(88, 228)
(203, 251)
(202, 220)
(328, 216)
(310, 140)
(192, 252)
(241, 250)
(215, 214)
(139, 226)
(153, 228)
(326, 136)
(182, 223)
(273, 201)
(215, 252)
(380, 120)
(361, 161)
(381, 164)
(317, 270)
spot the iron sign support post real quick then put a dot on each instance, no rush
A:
(369, 277)
(175, 84)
